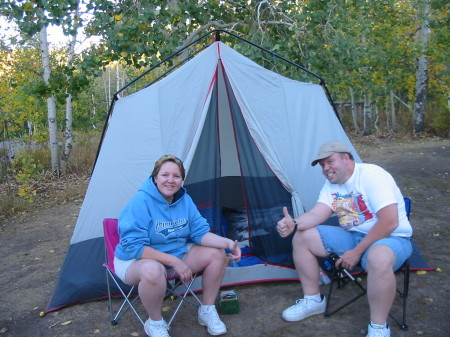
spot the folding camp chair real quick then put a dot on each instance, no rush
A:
(342, 276)
(130, 296)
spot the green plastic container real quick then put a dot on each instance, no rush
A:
(228, 302)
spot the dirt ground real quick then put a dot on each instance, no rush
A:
(33, 246)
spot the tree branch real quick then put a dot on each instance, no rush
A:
(192, 36)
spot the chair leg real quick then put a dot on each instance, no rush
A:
(183, 297)
(404, 295)
(127, 301)
(338, 276)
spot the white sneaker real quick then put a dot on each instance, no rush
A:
(156, 328)
(303, 308)
(372, 332)
(211, 320)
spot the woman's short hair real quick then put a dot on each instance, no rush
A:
(165, 159)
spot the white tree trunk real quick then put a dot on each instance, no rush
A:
(118, 86)
(68, 131)
(387, 114)
(420, 96)
(367, 116)
(375, 123)
(51, 104)
(353, 108)
(394, 122)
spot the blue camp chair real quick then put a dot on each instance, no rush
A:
(129, 296)
(341, 276)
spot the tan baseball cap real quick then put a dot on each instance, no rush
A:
(328, 149)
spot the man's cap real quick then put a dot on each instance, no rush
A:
(328, 149)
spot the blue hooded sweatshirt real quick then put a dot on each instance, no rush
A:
(149, 220)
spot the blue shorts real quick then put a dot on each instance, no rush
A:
(338, 240)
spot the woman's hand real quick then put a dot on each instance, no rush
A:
(235, 251)
(183, 271)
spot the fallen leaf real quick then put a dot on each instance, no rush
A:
(165, 309)
(420, 332)
(134, 334)
(42, 314)
(3, 330)
(436, 234)
(438, 270)
(97, 331)
(66, 322)
(428, 300)
(421, 272)
(35, 308)
(51, 251)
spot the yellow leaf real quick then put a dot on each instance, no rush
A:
(164, 309)
(42, 314)
(124, 54)
(119, 34)
(66, 322)
(436, 234)
(428, 300)
(420, 332)
(97, 331)
(51, 251)
(118, 17)
(35, 308)
(28, 7)
(438, 270)
(134, 334)
(421, 272)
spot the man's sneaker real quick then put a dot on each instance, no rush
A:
(372, 332)
(303, 308)
(211, 320)
(156, 328)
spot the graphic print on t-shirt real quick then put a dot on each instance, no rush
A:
(168, 227)
(351, 209)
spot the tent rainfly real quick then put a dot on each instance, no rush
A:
(246, 136)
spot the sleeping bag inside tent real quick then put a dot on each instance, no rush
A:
(246, 136)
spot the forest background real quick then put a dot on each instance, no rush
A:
(385, 63)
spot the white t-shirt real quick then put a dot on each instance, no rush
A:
(369, 189)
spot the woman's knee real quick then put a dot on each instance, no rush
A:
(202, 257)
(148, 271)
(216, 254)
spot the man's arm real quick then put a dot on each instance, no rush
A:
(317, 215)
(387, 222)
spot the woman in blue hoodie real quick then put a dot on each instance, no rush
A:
(153, 230)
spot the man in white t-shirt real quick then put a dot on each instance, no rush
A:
(374, 230)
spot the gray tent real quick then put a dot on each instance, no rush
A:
(246, 136)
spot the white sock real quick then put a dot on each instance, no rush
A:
(152, 321)
(205, 308)
(378, 326)
(316, 297)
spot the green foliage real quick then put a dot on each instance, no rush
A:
(366, 46)
(27, 169)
